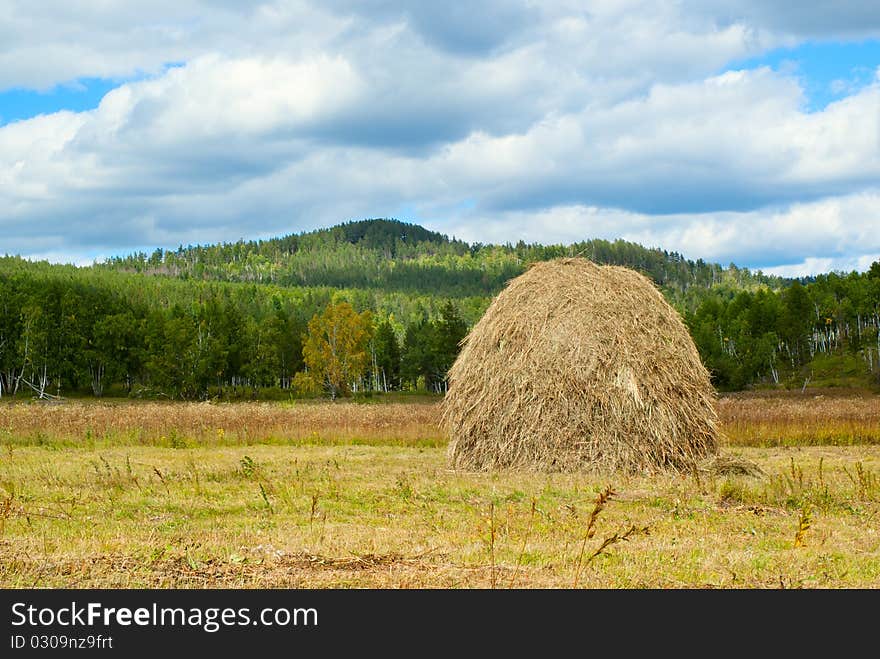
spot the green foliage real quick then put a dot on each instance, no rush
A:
(824, 331)
(387, 357)
(430, 348)
(230, 319)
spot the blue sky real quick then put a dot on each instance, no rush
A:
(737, 131)
(76, 96)
(827, 70)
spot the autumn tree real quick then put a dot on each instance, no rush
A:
(336, 348)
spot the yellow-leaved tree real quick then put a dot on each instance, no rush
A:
(336, 349)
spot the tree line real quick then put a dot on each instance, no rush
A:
(769, 336)
(66, 334)
(158, 326)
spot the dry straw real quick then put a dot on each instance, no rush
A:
(576, 366)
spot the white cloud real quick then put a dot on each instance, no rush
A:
(555, 122)
(731, 142)
(816, 266)
(53, 41)
(214, 96)
(223, 149)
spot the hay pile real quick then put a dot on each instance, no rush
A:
(576, 366)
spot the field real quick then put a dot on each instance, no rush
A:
(139, 494)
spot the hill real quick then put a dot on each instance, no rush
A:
(207, 319)
(390, 255)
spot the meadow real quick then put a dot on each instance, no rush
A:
(126, 494)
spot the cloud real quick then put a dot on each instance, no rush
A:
(814, 18)
(52, 42)
(55, 41)
(816, 266)
(471, 29)
(223, 149)
(561, 121)
(738, 141)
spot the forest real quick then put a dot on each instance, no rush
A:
(267, 318)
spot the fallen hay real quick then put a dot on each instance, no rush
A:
(729, 465)
(576, 366)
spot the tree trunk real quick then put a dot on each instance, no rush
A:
(97, 374)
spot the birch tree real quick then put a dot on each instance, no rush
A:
(336, 349)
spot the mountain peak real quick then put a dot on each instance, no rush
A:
(378, 233)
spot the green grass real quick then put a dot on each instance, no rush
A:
(836, 371)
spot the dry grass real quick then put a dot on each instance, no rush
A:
(828, 417)
(252, 495)
(576, 366)
(376, 516)
(760, 419)
(178, 425)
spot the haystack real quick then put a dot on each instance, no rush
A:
(579, 367)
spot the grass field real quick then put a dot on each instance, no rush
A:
(358, 495)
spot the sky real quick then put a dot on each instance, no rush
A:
(743, 131)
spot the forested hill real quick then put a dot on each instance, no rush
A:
(390, 255)
(205, 320)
